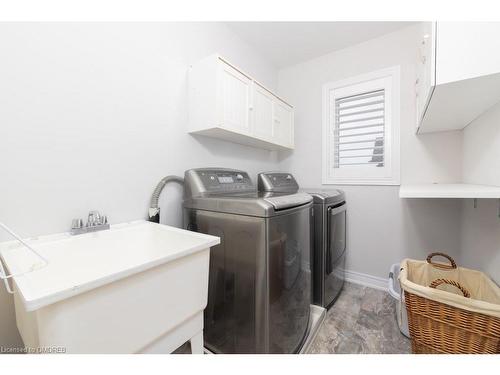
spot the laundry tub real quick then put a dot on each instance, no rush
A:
(138, 287)
(395, 292)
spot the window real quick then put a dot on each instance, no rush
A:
(361, 129)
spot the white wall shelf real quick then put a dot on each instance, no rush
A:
(449, 191)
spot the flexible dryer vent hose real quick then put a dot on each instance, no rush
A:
(154, 210)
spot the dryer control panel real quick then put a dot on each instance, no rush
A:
(277, 182)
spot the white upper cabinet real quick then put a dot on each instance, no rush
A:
(458, 73)
(426, 68)
(283, 123)
(234, 99)
(262, 112)
(226, 103)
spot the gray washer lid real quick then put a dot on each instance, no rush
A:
(260, 204)
(325, 196)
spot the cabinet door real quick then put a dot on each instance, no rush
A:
(262, 112)
(467, 50)
(283, 123)
(426, 69)
(234, 99)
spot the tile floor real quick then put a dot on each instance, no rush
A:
(362, 320)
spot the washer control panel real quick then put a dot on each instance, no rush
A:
(218, 180)
(277, 182)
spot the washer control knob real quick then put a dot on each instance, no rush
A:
(288, 177)
(239, 177)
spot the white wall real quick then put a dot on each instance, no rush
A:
(92, 116)
(480, 230)
(480, 237)
(481, 142)
(382, 228)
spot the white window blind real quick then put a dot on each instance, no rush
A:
(359, 130)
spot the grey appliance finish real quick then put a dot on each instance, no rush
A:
(330, 212)
(329, 234)
(259, 281)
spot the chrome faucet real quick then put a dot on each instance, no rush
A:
(95, 222)
(93, 219)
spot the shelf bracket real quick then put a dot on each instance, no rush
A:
(499, 208)
(475, 202)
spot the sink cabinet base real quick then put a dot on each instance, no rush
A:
(191, 330)
(153, 311)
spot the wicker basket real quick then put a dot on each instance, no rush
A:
(443, 322)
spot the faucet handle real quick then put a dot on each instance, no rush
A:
(77, 224)
(93, 219)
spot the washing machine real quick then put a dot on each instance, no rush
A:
(260, 276)
(329, 234)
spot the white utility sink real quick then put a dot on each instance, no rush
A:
(137, 287)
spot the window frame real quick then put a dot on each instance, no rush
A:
(389, 80)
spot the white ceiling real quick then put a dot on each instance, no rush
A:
(289, 43)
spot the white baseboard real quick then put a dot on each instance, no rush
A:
(366, 280)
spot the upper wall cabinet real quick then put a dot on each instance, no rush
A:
(458, 73)
(228, 104)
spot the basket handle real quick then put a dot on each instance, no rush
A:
(450, 266)
(456, 284)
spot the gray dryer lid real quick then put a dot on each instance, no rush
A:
(325, 196)
(285, 182)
